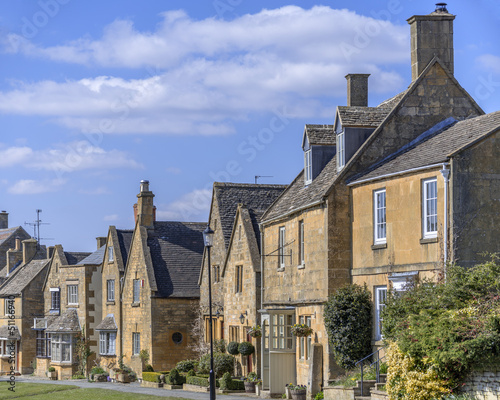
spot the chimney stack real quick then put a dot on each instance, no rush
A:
(4, 220)
(357, 90)
(101, 241)
(431, 35)
(29, 249)
(146, 211)
(50, 252)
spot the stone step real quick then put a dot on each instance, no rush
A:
(362, 398)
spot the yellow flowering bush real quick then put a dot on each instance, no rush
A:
(408, 379)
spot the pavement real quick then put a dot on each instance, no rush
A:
(133, 387)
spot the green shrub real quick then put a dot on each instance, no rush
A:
(199, 381)
(246, 348)
(186, 365)
(222, 363)
(151, 376)
(319, 396)
(174, 378)
(348, 322)
(220, 346)
(232, 348)
(78, 376)
(252, 377)
(51, 369)
(191, 373)
(225, 381)
(148, 368)
(97, 370)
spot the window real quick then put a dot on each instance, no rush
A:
(107, 343)
(239, 279)
(111, 289)
(61, 347)
(72, 294)
(301, 243)
(305, 342)
(340, 149)
(111, 256)
(379, 220)
(380, 297)
(136, 343)
(234, 333)
(281, 248)
(281, 331)
(239, 232)
(216, 274)
(55, 299)
(177, 337)
(308, 167)
(42, 344)
(429, 208)
(137, 291)
(7, 346)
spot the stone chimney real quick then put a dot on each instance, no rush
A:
(50, 252)
(101, 241)
(29, 249)
(357, 90)
(4, 220)
(145, 210)
(431, 35)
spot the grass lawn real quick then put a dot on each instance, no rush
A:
(42, 391)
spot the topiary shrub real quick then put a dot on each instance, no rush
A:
(151, 376)
(200, 381)
(348, 322)
(174, 378)
(225, 381)
(222, 363)
(186, 365)
(191, 373)
(246, 348)
(232, 348)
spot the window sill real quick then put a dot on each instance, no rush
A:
(54, 311)
(301, 266)
(110, 303)
(429, 240)
(379, 246)
(73, 305)
(281, 269)
(136, 304)
(107, 355)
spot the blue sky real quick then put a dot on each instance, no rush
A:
(95, 96)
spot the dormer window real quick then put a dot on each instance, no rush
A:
(340, 149)
(308, 167)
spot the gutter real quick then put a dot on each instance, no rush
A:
(407, 171)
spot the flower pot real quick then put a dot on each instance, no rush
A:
(258, 389)
(249, 387)
(299, 394)
(123, 378)
(52, 375)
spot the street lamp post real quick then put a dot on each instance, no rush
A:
(208, 238)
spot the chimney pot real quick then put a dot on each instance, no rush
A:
(357, 90)
(144, 185)
(144, 211)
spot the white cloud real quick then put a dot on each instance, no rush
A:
(200, 76)
(29, 186)
(191, 206)
(73, 156)
(112, 217)
(490, 63)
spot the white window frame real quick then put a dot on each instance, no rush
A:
(111, 256)
(136, 291)
(379, 217)
(136, 343)
(43, 344)
(107, 343)
(61, 347)
(52, 290)
(281, 248)
(110, 290)
(380, 299)
(302, 259)
(281, 333)
(72, 291)
(429, 208)
(341, 149)
(308, 167)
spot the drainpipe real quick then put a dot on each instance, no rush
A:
(446, 176)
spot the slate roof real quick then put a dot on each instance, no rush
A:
(320, 134)
(21, 277)
(125, 239)
(393, 101)
(255, 197)
(434, 147)
(297, 195)
(107, 324)
(9, 334)
(6, 233)
(362, 116)
(95, 258)
(176, 250)
(65, 323)
(75, 258)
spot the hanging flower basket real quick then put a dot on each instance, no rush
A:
(255, 331)
(301, 330)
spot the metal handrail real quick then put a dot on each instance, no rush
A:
(377, 368)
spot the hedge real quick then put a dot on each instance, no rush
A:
(199, 381)
(151, 376)
(231, 384)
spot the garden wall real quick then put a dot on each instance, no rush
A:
(484, 384)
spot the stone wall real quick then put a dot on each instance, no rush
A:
(484, 384)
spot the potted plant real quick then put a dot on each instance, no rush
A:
(301, 330)
(255, 331)
(250, 382)
(258, 387)
(52, 373)
(298, 392)
(98, 374)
